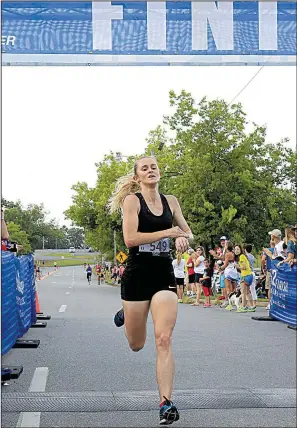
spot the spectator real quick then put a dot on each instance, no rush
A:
(251, 259)
(219, 252)
(230, 274)
(121, 270)
(4, 233)
(276, 238)
(179, 273)
(266, 266)
(206, 282)
(38, 273)
(291, 242)
(191, 272)
(246, 279)
(199, 271)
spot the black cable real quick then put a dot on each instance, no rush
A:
(256, 74)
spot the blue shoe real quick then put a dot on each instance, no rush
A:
(168, 413)
(119, 318)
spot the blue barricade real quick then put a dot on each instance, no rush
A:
(9, 311)
(18, 298)
(283, 305)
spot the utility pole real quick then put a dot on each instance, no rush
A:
(43, 242)
(56, 243)
(115, 247)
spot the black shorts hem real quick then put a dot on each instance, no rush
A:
(148, 297)
(180, 282)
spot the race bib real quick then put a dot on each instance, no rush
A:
(162, 246)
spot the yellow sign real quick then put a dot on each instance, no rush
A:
(121, 257)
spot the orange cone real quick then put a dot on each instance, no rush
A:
(37, 303)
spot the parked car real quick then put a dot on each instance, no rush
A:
(71, 250)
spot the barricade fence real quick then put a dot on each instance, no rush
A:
(18, 304)
(283, 304)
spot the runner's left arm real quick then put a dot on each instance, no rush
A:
(178, 218)
(181, 244)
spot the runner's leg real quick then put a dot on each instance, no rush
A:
(135, 323)
(164, 313)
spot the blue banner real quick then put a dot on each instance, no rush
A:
(9, 312)
(18, 310)
(149, 33)
(283, 303)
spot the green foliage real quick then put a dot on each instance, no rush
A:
(32, 221)
(19, 236)
(227, 178)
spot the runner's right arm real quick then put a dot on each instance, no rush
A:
(132, 237)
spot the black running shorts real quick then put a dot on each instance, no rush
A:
(198, 276)
(145, 276)
(191, 279)
(180, 281)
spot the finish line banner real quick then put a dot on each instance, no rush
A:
(149, 33)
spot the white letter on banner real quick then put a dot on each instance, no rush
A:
(156, 25)
(220, 20)
(267, 25)
(102, 15)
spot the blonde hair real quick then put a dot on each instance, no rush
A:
(289, 235)
(178, 257)
(125, 185)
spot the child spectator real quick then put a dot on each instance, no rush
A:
(206, 281)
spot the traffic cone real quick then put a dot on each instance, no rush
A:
(38, 311)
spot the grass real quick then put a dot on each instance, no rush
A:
(214, 299)
(66, 262)
(69, 255)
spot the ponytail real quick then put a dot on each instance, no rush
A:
(178, 257)
(124, 186)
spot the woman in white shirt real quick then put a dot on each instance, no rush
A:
(179, 273)
(199, 271)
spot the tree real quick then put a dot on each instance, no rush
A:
(32, 220)
(89, 205)
(19, 236)
(228, 179)
(75, 236)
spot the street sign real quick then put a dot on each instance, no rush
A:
(121, 257)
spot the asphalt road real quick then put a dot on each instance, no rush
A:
(231, 371)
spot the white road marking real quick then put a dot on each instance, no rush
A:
(38, 384)
(63, 308)
(54, 283)
(68, 292)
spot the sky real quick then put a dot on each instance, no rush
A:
(59, 121)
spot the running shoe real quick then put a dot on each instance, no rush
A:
(229, 308)
(242, 309)
(119, 318)
(268, 307)
(180, 300)
(207, 305)
(168, 413)
(252, 309)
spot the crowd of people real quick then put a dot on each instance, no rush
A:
(227, 273)
(234, 265)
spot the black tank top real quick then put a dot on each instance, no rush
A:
(149, 222)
